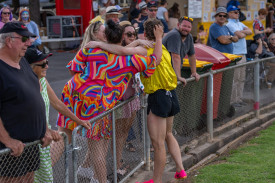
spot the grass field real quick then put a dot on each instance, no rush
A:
(252, 162)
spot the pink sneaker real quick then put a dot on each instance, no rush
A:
(149, 181)
(180, 175)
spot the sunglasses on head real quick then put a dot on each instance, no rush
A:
(186, 18)
(224, 16)
(130, 34)
(23, 38)
(151, 10)
(6, 13)
(43, 65)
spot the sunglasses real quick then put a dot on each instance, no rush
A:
(151, 10)
(186, 18)
(23, 38)
(224, 16)
(6, 13)
(43, 65)
(130, 34)
(236, 12)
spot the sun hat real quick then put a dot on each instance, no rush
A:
(221, 9)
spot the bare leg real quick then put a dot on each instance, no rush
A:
(122, 128)
(157, 131)
(173, 145)
(96, 156)
(28, 178)
(57, 148)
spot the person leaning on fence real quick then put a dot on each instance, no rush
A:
(179, 42)
(127, 113)
(90, 93)
(39, 64)
(22, 109)
(239, 48)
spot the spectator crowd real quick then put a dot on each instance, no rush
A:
(161, 39)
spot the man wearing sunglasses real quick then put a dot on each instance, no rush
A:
(22, 109)
(179, 42)
(221, 38)
(239, 48)
(152, 9)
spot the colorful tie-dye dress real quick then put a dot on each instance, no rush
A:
(100, 81)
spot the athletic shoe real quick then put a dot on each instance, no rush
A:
(180, 175)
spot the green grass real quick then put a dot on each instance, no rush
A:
(253, 162)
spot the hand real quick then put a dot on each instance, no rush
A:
(55, 135)
(47, 139)
(87, 125)
(92, 44)
(145, 43)
(196, 75)
(158, 31)
(16, 146)
(268, 30)
(183, 80)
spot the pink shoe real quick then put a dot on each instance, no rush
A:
(180, 175)
(149, 181)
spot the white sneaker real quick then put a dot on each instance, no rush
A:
(85, 172)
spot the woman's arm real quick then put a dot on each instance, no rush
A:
(165, 15)
(117, 49)
(61, 107)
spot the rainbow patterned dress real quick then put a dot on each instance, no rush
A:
(100, 81)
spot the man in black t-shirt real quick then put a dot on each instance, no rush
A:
(22, 109)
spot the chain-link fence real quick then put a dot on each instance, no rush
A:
(218, 97)
(36, 164)
(114, 158)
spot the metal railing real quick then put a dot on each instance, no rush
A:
(202, 110)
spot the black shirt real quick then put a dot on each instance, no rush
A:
(22, 108)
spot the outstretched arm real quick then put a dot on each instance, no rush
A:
(117, 49)
(61, 107)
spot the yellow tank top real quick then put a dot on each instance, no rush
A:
(164, 76)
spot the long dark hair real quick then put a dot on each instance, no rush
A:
(113, 32)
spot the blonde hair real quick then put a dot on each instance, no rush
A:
(90, 32)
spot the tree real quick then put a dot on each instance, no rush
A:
(35, 11)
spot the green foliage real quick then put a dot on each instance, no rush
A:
(254, 162)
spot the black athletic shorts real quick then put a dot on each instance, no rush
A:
(11, 166)
(163, 103)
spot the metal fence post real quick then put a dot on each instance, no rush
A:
(146, 134)
(66, 150)
(210, 105)
(114, 145)
(74, 155)
(257, 87)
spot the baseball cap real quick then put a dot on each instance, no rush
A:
(118, 7)
(142, 5)
(18, 27)
(112, 10)
(232, 8)
(152, 4)
(34, 55)
(221, 9)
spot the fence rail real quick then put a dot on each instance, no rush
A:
(205, 105)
